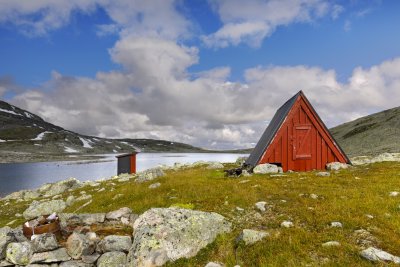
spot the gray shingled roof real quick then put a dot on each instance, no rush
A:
(271, 131)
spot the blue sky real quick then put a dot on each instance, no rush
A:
(210, 73)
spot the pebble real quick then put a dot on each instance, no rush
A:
(336, 225)
(331, 244)
(287, 224)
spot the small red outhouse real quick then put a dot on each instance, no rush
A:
(127, 163)
(297, 139)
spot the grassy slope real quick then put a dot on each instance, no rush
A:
(370, 135)
(342, 198)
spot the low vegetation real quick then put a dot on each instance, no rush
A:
(358, 197)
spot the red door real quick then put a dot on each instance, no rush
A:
(302, 141)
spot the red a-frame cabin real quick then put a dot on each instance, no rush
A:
(297, 139)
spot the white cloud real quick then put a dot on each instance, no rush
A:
(152, 17)
(207, 110)
(252, 21)
(336, 11)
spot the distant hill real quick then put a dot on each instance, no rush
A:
(24, 132)
(370, 135)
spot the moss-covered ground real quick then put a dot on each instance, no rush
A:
(347, 196)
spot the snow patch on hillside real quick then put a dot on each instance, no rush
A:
(40, 136)
(9, 111)
(86, 143)
(70, 150)
(2, 141)
(28, 115)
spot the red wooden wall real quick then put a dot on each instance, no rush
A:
(303, 142)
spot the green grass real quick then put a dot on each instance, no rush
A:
(346, 196)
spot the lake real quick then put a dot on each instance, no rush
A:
(18, 176)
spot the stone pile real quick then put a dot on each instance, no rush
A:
(160, 235)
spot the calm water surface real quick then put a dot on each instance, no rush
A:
(18, 176)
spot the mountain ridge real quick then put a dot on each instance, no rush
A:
(370, 135)
(23, 133)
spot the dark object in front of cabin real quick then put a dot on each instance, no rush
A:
(127, 163)
(236, 172)
(296, 139)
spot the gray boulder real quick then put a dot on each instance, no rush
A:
(241, 160)
(37, 209)
(57, 255)
(19, 235)
(114, 243)
(6, 237)
(375, 254)
(82, 218)
(112, 259)
(78, 245)
(44, 242)
(149, 175)
(118, 214)
(90, 258)
(31, 194)
(19, 253)
(249, 236)
(265, 168)
(75, 263)
(59, 187)
(168, 234)
(335, 166)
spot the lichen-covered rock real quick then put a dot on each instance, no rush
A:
(70, 200)
(114, 243)
(78, 245)
(149, 175)
(249, 236)
(215, 165)
(265, 168)
(6, 237)
(118, 214)
(112, 259)
(19, 253)
(167, 234)
(375, 254)
(44, 242)
(59, 187)
(82, 218)
(5, 263)
(335, 166)
(57, 255)
(37, 209)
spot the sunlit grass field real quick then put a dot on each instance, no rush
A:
(347, 196)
